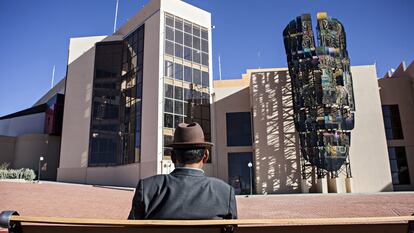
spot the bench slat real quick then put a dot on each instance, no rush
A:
(240, 222)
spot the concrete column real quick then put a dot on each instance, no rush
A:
(304, 186)
(336, 185)
(322, 185)
(349, 185)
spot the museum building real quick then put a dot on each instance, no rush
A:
(125, 93)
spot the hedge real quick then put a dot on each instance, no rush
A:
(23, 173)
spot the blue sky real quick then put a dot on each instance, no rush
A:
(248, 34)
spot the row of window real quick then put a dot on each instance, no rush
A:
(180, 93)
(186, 53)
(186, 109)
(186, 26)
(186, 73)
(186, 39)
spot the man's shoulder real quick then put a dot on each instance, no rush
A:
(154, 178)
(217, 182)
(160, 179)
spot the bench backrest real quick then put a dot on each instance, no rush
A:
(24, 224)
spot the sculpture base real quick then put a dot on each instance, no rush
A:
(349, 185)
(336, 185)
(322, 185)
(304, 186)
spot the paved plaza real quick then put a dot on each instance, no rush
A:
(52, 199)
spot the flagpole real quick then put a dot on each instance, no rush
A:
(116, 14)
(53, 77)
(219, 61)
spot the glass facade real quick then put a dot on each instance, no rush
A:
(239, 171)
(186, 77)
(116, 101)
(392, 122)
(399, 166)
(238, 129)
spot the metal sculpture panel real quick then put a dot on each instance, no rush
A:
(322, 89)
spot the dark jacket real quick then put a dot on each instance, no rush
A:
(183, 194)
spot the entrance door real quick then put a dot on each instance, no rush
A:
(239, 171)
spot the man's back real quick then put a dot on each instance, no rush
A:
(183, 194)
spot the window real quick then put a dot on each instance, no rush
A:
(178, 93)
(238, 129)
(204, 46)
(196, 31)
(399, 166)
(197, 76)
(179, 23)
(168, 69)
(196, 42)
(169, 33)
(178, 107)
(188, 74)
(168, 120)
(169, 48)
(179, 51)
(168, 105)
(204, 34)
(188, 54)
(188, 40)
(179, 36)
(205, 79)
(392, 122)
(178, 72)
(169, 91)
(177, 120)
(196, 56)
(204, 60)
(169, 21)
(187, 27)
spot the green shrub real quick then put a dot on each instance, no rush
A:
(23, 173)
(4, 166)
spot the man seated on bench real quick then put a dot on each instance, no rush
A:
(185, 193)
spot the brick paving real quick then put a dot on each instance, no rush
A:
(86, 201)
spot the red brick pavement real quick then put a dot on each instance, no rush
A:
(86, 201)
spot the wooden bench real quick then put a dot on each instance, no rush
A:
(23, 224)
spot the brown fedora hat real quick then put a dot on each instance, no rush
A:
(189, 135)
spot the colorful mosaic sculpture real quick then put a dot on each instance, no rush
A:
(322, 90)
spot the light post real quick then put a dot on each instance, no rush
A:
(40, 163)
(250, 165)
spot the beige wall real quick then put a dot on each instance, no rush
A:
(125, 175)
(77, 111)
(227, 99)
(7, 149)
(151, 129)
(368, 152)
(398, 89)
(276, 147)
(30, 147)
